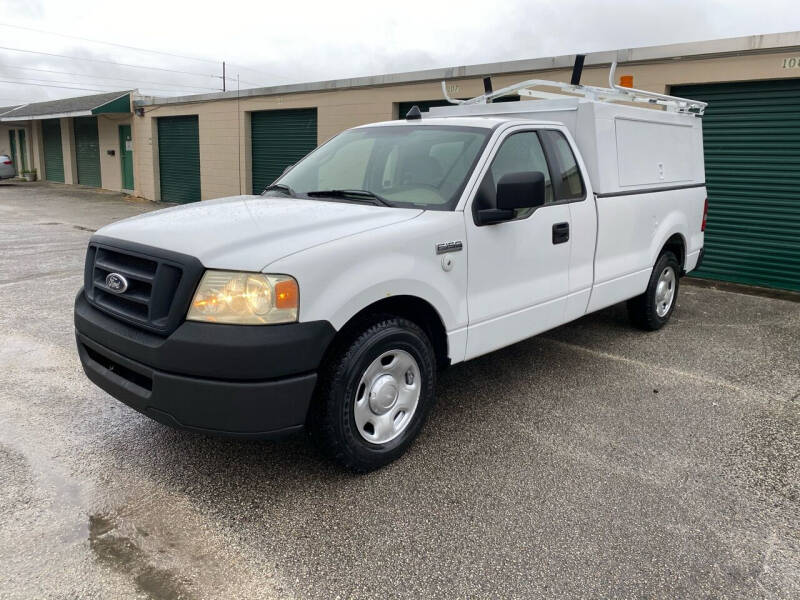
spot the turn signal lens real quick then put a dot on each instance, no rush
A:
(245, 299)
(705, 216)
(286, 294)
(626, 81)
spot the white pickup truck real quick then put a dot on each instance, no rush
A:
(330, 300)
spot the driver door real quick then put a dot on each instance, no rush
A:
(518, 269)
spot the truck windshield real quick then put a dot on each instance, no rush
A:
(423, 166)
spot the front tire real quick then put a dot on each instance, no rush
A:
(374, 394)
(651, 310)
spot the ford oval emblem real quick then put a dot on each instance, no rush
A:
(116, 283)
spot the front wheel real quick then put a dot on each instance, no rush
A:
(374, 393)
(651, 310)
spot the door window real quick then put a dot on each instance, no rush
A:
(520, 152)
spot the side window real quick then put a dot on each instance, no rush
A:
(569, 182)
(520, 152)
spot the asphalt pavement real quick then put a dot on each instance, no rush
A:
(592, 461)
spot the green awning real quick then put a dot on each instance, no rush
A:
(120, 105)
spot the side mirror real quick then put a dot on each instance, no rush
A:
(514, 190)
(520, 190)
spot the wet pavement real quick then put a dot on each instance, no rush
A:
(592, 461)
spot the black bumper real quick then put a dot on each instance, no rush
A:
(248, 381)
(700, 258)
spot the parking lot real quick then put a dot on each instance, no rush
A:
(592, 461)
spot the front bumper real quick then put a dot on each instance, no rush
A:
(247, 381)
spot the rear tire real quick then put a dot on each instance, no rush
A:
(651, 311)
(374, 394)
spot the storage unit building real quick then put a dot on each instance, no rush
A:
(74, 140)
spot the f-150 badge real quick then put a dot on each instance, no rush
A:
(446, 247)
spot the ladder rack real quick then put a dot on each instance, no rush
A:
(613, 93)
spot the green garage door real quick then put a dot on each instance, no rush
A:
(279, 138)
(751, 135)
(87, 151)
(12, 143)
(53, 154)
(179, 159)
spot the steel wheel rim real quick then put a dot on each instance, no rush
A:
(665, 291)
(387, 396)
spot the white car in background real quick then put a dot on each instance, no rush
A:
(7, 170)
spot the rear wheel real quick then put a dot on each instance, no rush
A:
(651, 310)
(374, 393)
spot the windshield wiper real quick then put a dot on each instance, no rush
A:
(279, 187)
(365, 194)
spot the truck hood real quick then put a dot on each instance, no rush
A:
(246, 233)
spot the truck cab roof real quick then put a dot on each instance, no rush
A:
(487, 122)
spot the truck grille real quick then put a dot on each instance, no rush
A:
(159, 283)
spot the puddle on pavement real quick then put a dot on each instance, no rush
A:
(122, 553)
(154, 540)
(78, 227)
(168, 552)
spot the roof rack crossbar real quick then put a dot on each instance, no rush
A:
(615, 93)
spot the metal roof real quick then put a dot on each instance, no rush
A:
(66, 107)
(693, 50)
(5, 109)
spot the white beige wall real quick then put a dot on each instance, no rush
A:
(37, 148)
(68, 151)
(224, 125)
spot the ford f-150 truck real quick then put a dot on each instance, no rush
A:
(330, 300)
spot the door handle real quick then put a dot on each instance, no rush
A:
(560, 233)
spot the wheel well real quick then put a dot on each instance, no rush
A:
(677, 246)
(412, 308)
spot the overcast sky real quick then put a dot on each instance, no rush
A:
(268, 43)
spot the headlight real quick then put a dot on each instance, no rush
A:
(245, 298)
